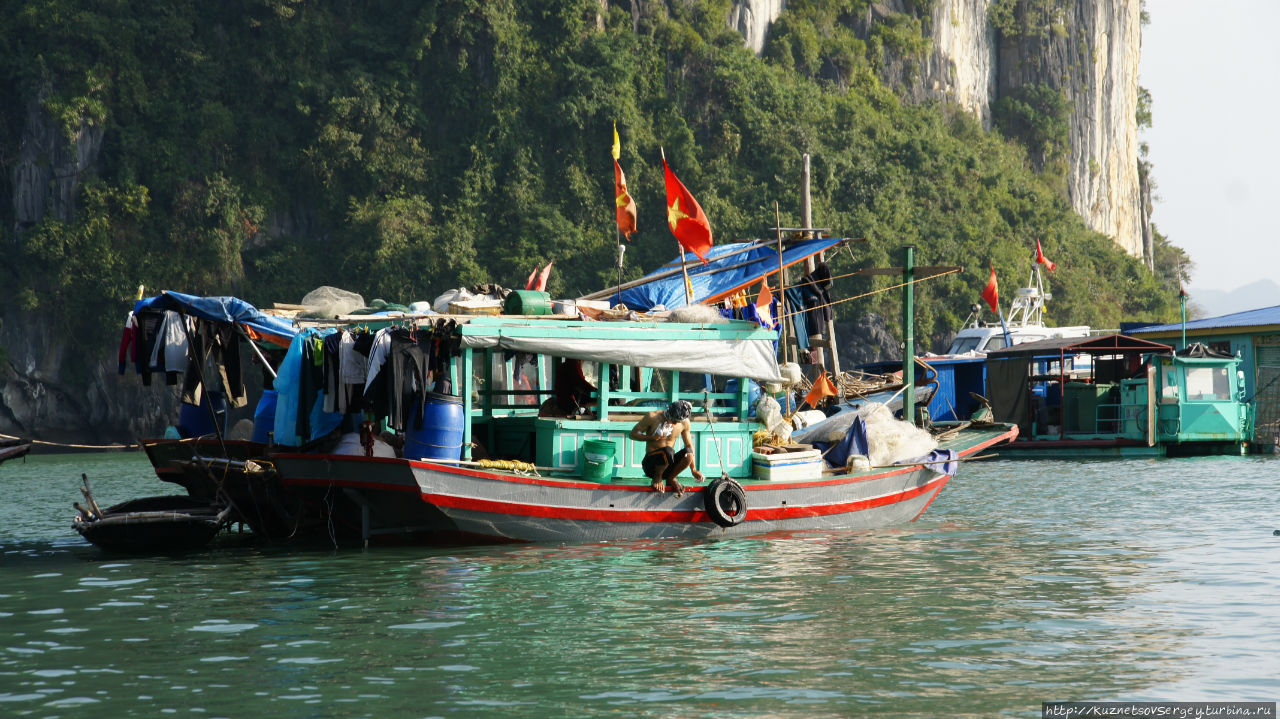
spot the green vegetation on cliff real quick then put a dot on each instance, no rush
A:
(265, 147)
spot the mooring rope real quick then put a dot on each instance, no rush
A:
(71, 446)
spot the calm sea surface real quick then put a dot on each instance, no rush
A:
(1025, 581)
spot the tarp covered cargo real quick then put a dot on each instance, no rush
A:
(730, 268)
(230, 310)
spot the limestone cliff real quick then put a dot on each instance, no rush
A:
(752, 18)
(1088, 50)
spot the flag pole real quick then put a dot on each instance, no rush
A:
(782, 284)
(684, 269)
(622, 249)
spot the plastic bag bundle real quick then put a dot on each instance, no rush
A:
(441, 304)
(769, 414)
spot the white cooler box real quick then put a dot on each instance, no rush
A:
(787, 466)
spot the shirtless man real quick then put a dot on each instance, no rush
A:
(658, 430)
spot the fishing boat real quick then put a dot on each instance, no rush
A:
(478, 426)
(1134, 398)
(552, 475)
(150, 524)
(13, 448)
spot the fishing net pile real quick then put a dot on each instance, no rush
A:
(889, 440)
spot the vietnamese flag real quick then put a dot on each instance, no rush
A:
(822, 387)
(685, 217)
(991, 292)
(1042, 260)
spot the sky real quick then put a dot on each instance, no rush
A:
(1211, 67)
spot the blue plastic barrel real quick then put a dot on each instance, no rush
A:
(264, 417)
(441, 433)
(196, 421)
(753, 393)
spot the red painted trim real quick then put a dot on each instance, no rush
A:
(575, 484)
(1009, 436)
(650, 516)
(945, 479)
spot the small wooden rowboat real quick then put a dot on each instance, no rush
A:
(150, 524)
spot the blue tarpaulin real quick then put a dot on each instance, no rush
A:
(231, 310)
(714, 281)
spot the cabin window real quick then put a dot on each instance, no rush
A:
(995, 343)
(964, 344)
(1208, 384)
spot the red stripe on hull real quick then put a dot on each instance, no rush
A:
(601, 515)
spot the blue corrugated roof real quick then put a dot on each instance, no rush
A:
(1248, 318)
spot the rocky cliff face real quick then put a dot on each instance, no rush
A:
(1093, 60)
(1088, 50)
(752, 18)
(51, 387)
(50, 166)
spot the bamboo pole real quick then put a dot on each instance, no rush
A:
(684, 269)
(782, 286)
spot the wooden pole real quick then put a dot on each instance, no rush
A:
(622, 250)
(684, 269)
(782, 285)
(908, 334)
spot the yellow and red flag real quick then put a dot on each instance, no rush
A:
(822, 387)
(685, 217)
(625, 206)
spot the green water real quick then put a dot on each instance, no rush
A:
(1025, 581)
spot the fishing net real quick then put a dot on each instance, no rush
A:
(330, 302)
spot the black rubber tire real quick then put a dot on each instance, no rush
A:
(726, 502)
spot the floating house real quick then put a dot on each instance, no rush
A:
(1254, 337)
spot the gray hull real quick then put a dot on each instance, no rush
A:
(535, 509)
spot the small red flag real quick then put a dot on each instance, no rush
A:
(1042, 260)
(991, 292)
(763, 304)
(685, 217)
(626, 207)
(822, 387)
(528, 285)
(542, 278)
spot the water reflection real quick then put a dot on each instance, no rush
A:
(1029, 581)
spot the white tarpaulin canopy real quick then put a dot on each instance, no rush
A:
(710, 352)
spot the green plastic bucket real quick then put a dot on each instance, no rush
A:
(597, 460)
(527, 302)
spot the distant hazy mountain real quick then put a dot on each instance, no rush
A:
(1263, 293)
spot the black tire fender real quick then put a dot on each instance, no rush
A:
(726, 502)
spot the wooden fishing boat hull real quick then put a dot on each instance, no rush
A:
(154, 524)
(372, 497)
(14, 451)
(504, 506)
(171, 460)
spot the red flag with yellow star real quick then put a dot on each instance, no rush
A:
(685, 217)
